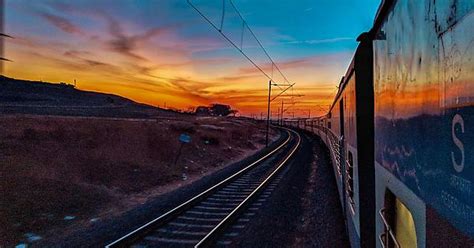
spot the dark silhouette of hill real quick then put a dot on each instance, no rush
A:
(42, 98)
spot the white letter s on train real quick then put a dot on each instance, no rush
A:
(457, 119)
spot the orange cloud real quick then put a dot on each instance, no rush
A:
(155, 65)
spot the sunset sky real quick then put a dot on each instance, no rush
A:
(163, 51)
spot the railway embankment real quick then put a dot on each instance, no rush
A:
(61, 175)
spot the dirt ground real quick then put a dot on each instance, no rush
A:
(59, 174)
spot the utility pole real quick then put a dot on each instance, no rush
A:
(268, 110)
(278, 115)
(309, 113)
(281, 115)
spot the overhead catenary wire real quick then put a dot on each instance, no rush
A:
(239, 47)
(229, 40)
(260, 44)
(283, 91)
(271, 80)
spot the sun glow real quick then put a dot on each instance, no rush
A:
(157, 61)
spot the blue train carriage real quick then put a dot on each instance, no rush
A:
(350, 138)
(424, 123)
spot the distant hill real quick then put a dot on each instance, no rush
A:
(41, 98)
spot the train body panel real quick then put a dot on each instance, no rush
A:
(346, 106)
(424, 101)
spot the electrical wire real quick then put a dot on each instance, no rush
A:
(240, 48)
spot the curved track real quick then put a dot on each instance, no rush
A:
(216, 215)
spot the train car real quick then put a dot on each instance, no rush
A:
(399, 129)
(347, 130)
(424, 120)
(350, 138)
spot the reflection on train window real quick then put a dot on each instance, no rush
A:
(405, 230)
(399, 227)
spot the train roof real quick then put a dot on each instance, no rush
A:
(343, 83)
(383, 10)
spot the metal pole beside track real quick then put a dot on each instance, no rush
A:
(281, 116)
(268, 110)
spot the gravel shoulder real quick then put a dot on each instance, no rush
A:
(304, 210)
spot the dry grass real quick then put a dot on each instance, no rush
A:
(52, 167)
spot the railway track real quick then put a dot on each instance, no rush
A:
(217, 215)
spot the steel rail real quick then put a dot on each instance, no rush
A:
(130, 237)
(212, 235)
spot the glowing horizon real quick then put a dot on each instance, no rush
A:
(162, 52)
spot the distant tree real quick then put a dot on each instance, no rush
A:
(216, 109)
(191, 110)
(66, 85)
(175, 109)
(220, 109)
(203, 110)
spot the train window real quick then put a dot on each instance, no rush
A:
(350, 179)
(329, 124)
(341, 117)
(399, 226)
(405, 230)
